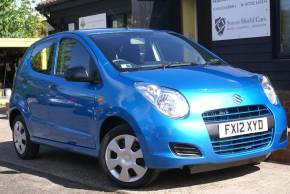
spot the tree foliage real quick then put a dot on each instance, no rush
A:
(19, 20)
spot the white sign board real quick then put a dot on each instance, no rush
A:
(236, 19)
(93, 21)
(71, 26)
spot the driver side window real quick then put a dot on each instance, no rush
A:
(73, 54)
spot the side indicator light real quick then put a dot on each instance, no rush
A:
(100, 99)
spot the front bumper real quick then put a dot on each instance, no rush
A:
(157, 132)
(211, 167)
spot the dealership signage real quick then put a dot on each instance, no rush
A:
(93, 21)
(71, 26)
(236, 19)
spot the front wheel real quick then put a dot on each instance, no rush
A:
(122, 159)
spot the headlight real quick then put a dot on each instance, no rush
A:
(269, 90)
(169, 102)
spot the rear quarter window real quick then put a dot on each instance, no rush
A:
(42, 57)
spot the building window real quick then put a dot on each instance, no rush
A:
(118, 21)
(285, 27)
(121, 20)
(129, 20)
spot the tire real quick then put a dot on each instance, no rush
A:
(24, 148)
(254, 164)
(122, 160)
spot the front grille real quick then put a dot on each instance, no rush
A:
(241, 143)
(235, 113)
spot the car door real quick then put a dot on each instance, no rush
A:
(35, 81)
(72, 103)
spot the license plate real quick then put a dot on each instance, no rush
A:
(243, 127)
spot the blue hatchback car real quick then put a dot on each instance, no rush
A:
(142, 101)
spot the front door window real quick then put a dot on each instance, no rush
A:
(73, 54)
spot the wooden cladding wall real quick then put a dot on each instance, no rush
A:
(157, 14)
(70, 12)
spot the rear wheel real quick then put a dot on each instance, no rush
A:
(24, 148)
(122, 159)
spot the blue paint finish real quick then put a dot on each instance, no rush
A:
(70, 118)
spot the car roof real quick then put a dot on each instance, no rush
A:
(113, 30)
(89, 32)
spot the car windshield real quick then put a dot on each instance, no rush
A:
(133, 51)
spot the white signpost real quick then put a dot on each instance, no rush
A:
(236, 19)
(93, 21)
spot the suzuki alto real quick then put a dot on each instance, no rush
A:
(142, 101)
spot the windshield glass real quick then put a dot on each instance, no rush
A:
(132, 51)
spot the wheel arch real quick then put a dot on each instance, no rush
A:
(111, 122)
(13, 113)
(118, 117)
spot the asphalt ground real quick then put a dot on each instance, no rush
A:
(56, 171)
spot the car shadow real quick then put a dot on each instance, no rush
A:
(17, 169)
(182, 178)
(83, 172)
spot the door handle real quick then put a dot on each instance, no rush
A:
(53, 87)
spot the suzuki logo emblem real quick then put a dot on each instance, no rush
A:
(237, 99)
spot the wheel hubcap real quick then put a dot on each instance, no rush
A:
(124, 158)
(19, 137)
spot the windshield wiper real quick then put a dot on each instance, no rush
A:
(178, 64)
(146, 67)
(159, 66)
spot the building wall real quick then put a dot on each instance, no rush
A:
(189, 18)
(157, 14)
(70, 12)
(204, 22)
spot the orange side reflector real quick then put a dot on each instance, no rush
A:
(100, 99)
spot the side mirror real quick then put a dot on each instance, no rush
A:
(77, 74)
